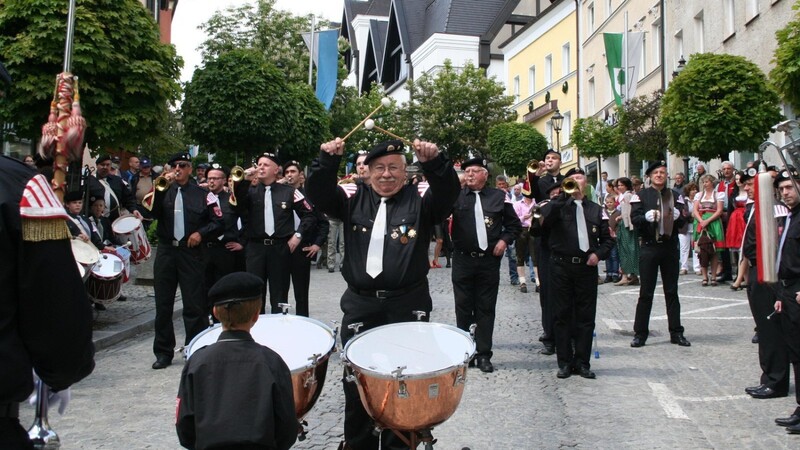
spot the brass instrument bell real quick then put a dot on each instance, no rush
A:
(569, 186)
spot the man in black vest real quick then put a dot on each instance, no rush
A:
(103, 184)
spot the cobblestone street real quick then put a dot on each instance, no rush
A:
(659, 396)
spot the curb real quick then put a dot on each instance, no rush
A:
(130, 328)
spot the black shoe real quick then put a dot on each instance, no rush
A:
(162, 362)
(471, 363)
(680, 340)
(766, 392)
(548, 350)
(755, 339)
(794, 429)
(564, 372)
(537, 288)
(330, 270)
(790, 421)
(485, 365)
(99, 306)
(638, 341)
(122, 298)
(543, 337)
(586, 373)
(523, 288)
(751, 389)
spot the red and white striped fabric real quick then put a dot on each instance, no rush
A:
(422, 187)
(40, 202)
(349, 189)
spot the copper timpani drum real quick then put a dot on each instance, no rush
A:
(85, 254)
(130, 229)
(304, 344)
(105, 279)
(411, 375)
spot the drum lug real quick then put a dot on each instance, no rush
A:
(284, 307)
(355, 326)
(349, 376)
(312, 379)
(472, 329)
(460, 377)
(419, 314)
(402, 392)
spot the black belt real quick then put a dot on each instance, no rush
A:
(9, 410)
(569, 259)
(474, 254)
(216, 244)
(269, 241)
(789, 282)
(659, 240)
(172, 243)
(380, 293)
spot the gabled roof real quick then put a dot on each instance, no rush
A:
(377, 38)
(377, 7)
(353, 8)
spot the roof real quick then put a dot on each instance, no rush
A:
(377, 35)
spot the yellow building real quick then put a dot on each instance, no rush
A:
(541, 62)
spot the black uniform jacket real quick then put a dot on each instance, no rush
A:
(411, 215)
(236, 391)
(126, 198)
(45, 317)
(200, 212)
(789, 269)
(286, 200)
(230, 231)
(318, 234)
(499, 216)
(540, 185)
(648, 199)
(559, 219)
(92, 232)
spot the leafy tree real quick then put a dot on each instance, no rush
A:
(639, 130)
(785, 75)
(596, 139)
(239, 105)
(127, 76)
(455, 108)
(717, 104)
(170, 139)
(261, 26)
(514, 144)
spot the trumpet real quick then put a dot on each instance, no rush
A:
(569, 186)
(237, 174)
(533, 166)
(162, 183)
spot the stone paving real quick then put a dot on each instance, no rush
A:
(660, 396)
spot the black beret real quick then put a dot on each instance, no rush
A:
(293, 163)
(393, 147)
(655, 165)
(145, 162)
(235, 287)
(748, 173)
(550, 150)
(271, 156)
(573, 171)
(787, 174)
(73, 196)
(218, 166)
(102, 158)
(182, 156)
(480, 162)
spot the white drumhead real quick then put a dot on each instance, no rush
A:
(84, 252)
(125, 225)
(422, 347)
(295, 338)
(109, 266)
(81, 270)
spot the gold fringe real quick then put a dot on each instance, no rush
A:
(37, 230)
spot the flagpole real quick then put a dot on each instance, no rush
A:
(311, 55)
(625, 67)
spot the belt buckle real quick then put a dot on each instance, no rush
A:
(476, 254)
(380, 293)
(269, 241)
(175, 243)
(576, 260)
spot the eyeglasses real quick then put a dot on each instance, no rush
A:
(183, 164)
(215, 178)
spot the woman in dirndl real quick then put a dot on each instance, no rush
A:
(734, 234)
(627, 236)
(708, 206)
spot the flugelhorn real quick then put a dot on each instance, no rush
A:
(237, 174)
(569, 186)
(162, 183)
(533, 166)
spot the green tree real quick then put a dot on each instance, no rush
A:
(170, 139)
(514, 144)
(128, 78)
(261, 26)
(639, 129)
(239, 105)
(719, 103)
(455, 108)
(596, 139)
(785, 75)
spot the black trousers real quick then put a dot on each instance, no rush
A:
(178, 266)
(652, 258)
(219, 261)
(301, 278)
(575, 293)
(271, 264)
(374, 312)
(546, 301)
(772, 353)
(13, 436)
(475, 284)
(790, 329)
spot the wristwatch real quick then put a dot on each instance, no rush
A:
(298, 236)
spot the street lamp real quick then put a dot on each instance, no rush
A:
(675, 73)
(557, 121)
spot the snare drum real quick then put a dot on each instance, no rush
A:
(82, 271)
(130, 229)
(304, 344)
(105, 279)
(85, 254)
(125, 255)
(411, 375)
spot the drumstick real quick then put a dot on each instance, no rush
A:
(384, 102)
(371, 124)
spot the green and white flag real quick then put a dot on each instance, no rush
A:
(623, 67)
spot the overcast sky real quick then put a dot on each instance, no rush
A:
(191, 13)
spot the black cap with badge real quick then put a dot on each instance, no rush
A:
(270, 156)
(480, 162)
(574, 171)
(749, 173)
(235, 288)
(392, 147)
(790, 173)
(178, 157)
(655, 165)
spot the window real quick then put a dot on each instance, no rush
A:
(565, 60)
(590, 18)
(516, 89)
(752, 9)
(729, 17)
(566, 127)
(591, 93)
(699, 32)
(549, 134)
(532, 80)
(548, 70)
(609, 8)
(656, 44)
(678, 45)
(643, 60)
